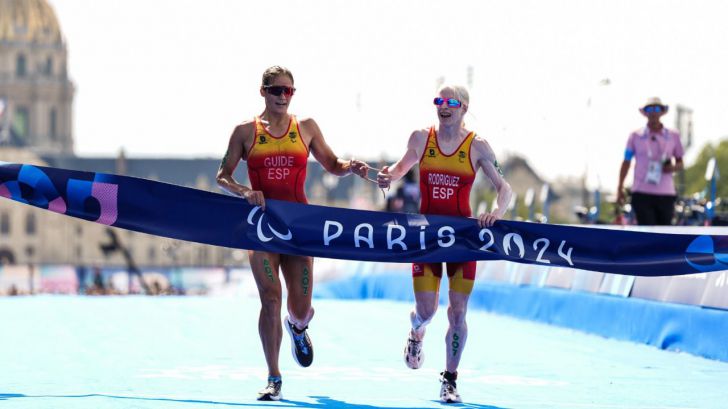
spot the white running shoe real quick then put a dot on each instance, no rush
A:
(272, 392)
(449, 390)
(413, 355)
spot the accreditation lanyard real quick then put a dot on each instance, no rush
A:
(654, 165)
(660, 150)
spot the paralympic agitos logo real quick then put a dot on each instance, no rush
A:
(259, 227)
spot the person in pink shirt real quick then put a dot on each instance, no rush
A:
(658, 154)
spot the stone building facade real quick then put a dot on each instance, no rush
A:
(35, 91)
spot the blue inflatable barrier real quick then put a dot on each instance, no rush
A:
(693, 329)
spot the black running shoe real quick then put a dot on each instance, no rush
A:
(272, 391)
(449, 389)
(301, 345)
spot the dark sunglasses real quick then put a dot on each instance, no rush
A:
(657, 109)
(451, 102)
(277, 90)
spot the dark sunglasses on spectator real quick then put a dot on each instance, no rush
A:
(451, 102)
(277, 90)
(657, 109)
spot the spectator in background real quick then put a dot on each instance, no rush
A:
(81, 272)
(409, 191)
(98, 287)
(406, 199)
(658, 154)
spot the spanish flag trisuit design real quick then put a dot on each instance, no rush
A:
(445, 182)
(277, 164)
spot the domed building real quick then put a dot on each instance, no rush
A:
(36, 95)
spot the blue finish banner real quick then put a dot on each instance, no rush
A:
(292, 228)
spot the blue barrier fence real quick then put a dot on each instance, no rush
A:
(601, 304)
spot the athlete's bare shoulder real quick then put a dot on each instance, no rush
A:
(309, 128)
(306, 120)
(482, 149)
(419, 135)
(417, 142)
(483, 156)
(245, 128)
(242, 137)
(248, 122)
(244, 132)
(308, 123)
(477, 139)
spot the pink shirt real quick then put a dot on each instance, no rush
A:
(645, 146)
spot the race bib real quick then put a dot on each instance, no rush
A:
(654, 172)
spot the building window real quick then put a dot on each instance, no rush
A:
(48, 69)
(30, 224)
(21, 66)
(21, 122)
(53, 131)
(5, 223)
(6, 256)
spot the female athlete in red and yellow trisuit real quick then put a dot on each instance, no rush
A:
(449, 156)
(276, 146)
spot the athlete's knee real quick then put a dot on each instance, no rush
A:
(456, 315)
(301, 316)
(270, 298)
(426, 310)
(300, 312)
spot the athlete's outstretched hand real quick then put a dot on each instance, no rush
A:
(384, 179)
(254, 197)
(487, 219)
(358, 167)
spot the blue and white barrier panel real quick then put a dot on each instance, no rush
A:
(292, 228)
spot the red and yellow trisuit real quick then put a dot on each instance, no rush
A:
(277, 163)
(445, 183)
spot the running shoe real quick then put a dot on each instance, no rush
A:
(301, 345)
(272, 391)
(413, 355)
(449, 389)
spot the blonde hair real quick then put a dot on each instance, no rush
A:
(459, 90)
